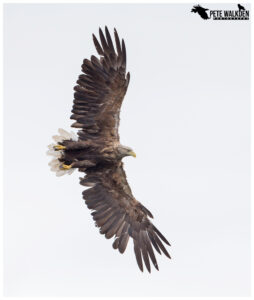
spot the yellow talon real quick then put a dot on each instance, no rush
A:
(66, 167)
(59, 147)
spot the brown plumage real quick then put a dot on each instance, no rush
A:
(98, 153)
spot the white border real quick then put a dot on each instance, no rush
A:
(1, 130)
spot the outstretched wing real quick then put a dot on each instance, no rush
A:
(119, 214)
(101, 89)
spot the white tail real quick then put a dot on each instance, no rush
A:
(55, 164)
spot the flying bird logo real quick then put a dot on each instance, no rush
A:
(240, 7)
(201, 11)
(97, 152)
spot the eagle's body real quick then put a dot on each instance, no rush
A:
(98, 152)
(95, 152)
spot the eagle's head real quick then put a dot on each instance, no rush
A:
(125, 151)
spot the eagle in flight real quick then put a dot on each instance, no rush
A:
(97, 152)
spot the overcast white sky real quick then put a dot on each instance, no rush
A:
(187, 116)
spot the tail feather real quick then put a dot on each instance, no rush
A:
(55, 163)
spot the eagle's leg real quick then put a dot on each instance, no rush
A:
(79, 164)
(66, 167)
(71, 145)
(59, 147)
(83, 164)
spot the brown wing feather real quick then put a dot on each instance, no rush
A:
(100, 90)
(119, 214)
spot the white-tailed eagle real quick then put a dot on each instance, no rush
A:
(97, 152)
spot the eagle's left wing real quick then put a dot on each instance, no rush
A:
(119, 214)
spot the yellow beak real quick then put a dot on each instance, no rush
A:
(132, 153)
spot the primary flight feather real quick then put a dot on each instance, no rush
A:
(98, 153)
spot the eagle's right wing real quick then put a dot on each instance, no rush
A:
(119, 214)
(100, 90)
